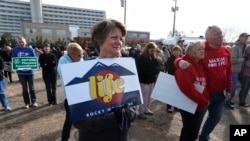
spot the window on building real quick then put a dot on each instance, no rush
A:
(132, 35)
(60, 32)
(30, 30)
(46, 31)
(143, 35)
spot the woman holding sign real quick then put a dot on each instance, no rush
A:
(192, 82)
(107, 36)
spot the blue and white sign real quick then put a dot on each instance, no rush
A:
(94, 87)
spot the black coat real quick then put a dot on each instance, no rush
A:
(148, 69)
(100, 128)
(170, 67)
(48, 63)
(1, 68)
(6, 57)
(105, 127)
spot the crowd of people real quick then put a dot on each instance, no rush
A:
(208, 65)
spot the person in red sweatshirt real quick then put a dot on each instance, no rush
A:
(218, 69)
(192, 82)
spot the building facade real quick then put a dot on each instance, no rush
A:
(134, 37)
(48, 32)
(14, 14)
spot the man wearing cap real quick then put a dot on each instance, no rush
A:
(180, 44)
(237, 55)
(161, 54)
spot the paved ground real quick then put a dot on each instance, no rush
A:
(44, 123)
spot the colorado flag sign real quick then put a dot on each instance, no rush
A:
(94, 87)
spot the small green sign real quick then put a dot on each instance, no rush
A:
(25, 63)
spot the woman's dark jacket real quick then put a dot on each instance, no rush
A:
(104, 128)
(148, 69)
(170, 67)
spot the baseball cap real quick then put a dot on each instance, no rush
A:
(244, 35)
(160, 43)
(180, 40)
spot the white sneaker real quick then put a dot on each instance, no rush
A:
(8, 109)
(149, 112)
(27, 106)
(34, 104)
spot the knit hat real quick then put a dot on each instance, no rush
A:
(177, 48)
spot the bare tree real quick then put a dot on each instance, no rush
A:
(230, 34)
(177, 33)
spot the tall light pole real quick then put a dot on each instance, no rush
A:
(174, 9)
(22, 28)
(124, 4)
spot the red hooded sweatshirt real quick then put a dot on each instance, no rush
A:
(186, 80)
(218, 68)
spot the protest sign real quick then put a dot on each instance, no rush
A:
(22, 63)
(94, 87)
(167, 91)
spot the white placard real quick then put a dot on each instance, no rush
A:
(167, 91)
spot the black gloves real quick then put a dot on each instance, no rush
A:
(118, 114)
(124, 115)
(131, 113)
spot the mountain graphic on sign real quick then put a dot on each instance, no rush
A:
(121, 71)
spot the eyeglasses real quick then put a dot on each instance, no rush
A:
(80, 55)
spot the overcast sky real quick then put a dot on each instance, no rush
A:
(155, 16)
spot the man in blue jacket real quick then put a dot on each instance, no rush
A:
(26, 76)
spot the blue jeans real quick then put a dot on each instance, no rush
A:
(235, 79)
(245, 85)
(191, 125)
(67, 123)
(28, 80)
(215, 108)
(50, 84)
(3, 97)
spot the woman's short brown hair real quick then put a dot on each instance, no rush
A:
(46, 45)
(101, 30)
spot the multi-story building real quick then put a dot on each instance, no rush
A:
(137, 37)
(49, 32)
(14, 14)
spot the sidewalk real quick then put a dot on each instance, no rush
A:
(44, 123)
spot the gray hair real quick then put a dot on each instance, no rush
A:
(209, 29)
(73, 48)
(20, 38)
